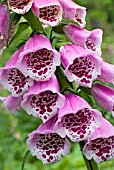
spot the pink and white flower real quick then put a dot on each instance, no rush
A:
(100, 146)
(77, 119)
(49, 12)
(90, 40)
(46, 145)
(80, 65)
(43, 99)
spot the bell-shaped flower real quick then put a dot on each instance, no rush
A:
(12, 79)
(4, 20)
(100, 146)
(104, 96)
(77, 119)
(38, 60)
(80, 65)
(107, 73)
(49, 12)
(90, 40)
(46, 145)
(73, 12)
(12, 103)
(43, 99)
(20, 6)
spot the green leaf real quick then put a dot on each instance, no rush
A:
(24, 159)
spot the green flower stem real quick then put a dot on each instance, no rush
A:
(33, 21)
(67, 87)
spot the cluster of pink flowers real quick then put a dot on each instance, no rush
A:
(29, 76)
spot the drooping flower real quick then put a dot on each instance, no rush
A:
(43, 99)
(107, 73)
(49, 12)
(12, 79)
(73, 12)
(38, 60)
(90, 40)
(104, 96)
(77, 119)
(12, 103)
(46, 145)
(100, 146)
(4, 20)
(20, 6)
(81, 65)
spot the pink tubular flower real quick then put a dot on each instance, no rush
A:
(100, 146)
(12, 103)
(4, 20)
(107, 73)
(46, 144)
(73, 12)
(90, 40)
(77, 119)
(104, 96)
(49, 12)
(12, 79)
(43, 99)
(20, 6)
(81, 65)
(38, 60)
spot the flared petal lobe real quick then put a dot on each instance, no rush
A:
(38, 60)
(12, 79)
(73, 12)
(49, 12)
(90, 40)
(46, 145)
(20, 6)
(81, 66)
(107, 73)
(4, 20)
(43, 99)
(104, 96)
(12, 103)
(77, 119)
(100, 146)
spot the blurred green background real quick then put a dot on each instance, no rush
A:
(14, 129)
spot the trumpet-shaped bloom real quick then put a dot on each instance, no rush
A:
(104, 96)
(12, 103)
(73, 12)
(20, 6)
(49, 12)
(43, 99)
(38, 60)
(4, 20)
(46, 145)
(107, 73)
(90, 40)
(80, 65)
(100, 146)
(12, 79)
(77, 119)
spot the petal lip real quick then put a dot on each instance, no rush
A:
(18, 9)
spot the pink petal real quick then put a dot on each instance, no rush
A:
(43, 99)
(47, 145)
(100, 146)
(77, 119)
(73, 12)
(38, 62)
(81, 65)
(49, 12)
(20, 6)
(12, 103)
(90, 40)
(107, 73)
(104, 96)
